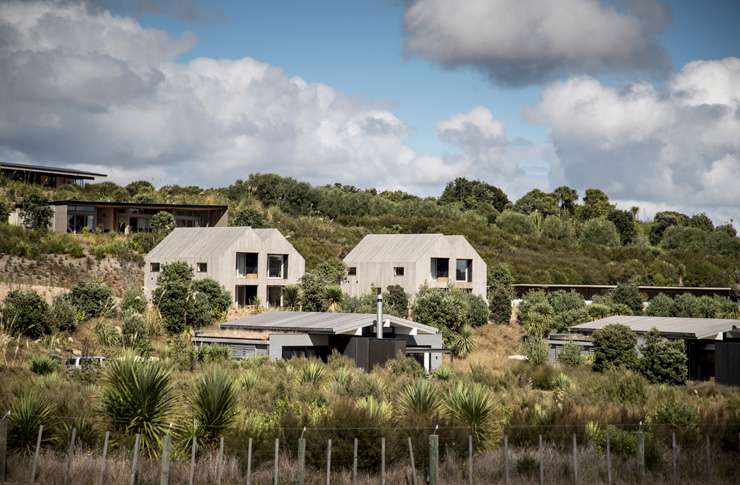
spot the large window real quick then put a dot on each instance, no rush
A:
(80, 217)
(277, 266)
(440, 268)
(246, 265)
(464, 270)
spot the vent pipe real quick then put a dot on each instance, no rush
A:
(379, 316)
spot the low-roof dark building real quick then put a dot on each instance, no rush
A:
(44, 175)
(283, 335)
(712, 344)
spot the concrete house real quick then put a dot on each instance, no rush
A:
(250, 263)
(45, 175)
(413, 260)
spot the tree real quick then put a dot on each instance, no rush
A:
(661, 306)
(333, 296)
(702, 222)
(439, 308)
(331, 271)
(499, 274)
(63, 314)
(217, 299)
(396, 301)
(163, 222)
(557, 229)
(684, 238)
(664, 220)
(600, 232)
(5, 210)
(476, 309)
(471, 193)
(499, 303)
(26, 313)
(624, 221)
(248, 216)
(36, 212)
(134, 299)
(614, 346)
(139, 187)
(515, 223)
(628, 295)
(563, 301)
(535, 348)
(537, 201)
(566, 197)
(313, 293)
(595, 205)
(91, 298)
(663, 361)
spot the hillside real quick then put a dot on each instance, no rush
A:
(542, 237)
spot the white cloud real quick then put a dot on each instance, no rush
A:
(678, 146)
(82, 86)
(527, 41)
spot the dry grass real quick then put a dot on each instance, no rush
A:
(493, 345)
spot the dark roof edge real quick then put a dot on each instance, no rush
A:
(46, 168)
(137, 204)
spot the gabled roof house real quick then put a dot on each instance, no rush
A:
(252, 264)
(413, 260)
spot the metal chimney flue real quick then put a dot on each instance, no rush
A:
(379, 316)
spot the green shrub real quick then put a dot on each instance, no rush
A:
(463, 342)
(91, 298)
(395, 301)
(441, 308)
(563, 301)
(213, 354)
(628, 295)
(26, 313)
(663, 361)
(36, 212)
(473, 407)
(620, 309)
(42, 365)
(218, 299)
(614, 346)
(570, 355)
(134, 331)
(622, 386)
(420, 399)
(600, 232)
(597, 311)
(5, 209)
(679, 415)
(621, 442)
(163, 222)
(133, 300)
(515, 223)
(476, 310)
(535, 348)
(557, 229)
(499, 303)
(544, 377)
(214, 405)
(563, 321)
(63, 314)
(661, 306)
(29, 411)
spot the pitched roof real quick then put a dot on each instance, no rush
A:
(185, 242)
(675, 327)
(318, 322)
(46, 169)
(392, 248)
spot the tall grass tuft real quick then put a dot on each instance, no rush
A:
(473, 406)
(312, 373)
(138, 397)
(419, 400)
(214, 404)
(29, 411)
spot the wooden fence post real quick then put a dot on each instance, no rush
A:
(3, 447)
(608, 460)
(506, 459)
(433, 459)
(542, 463)
(68, 459)
(413, 465)
(275, 478)
(220, 469)
(134, 479)
(249, 462)
(354, 463)
(104, 458)
(328, 462)
(164, 477)
(641, 454)
(35, 464)
(193, 451)
(382, 460)
(301, 461)
(575, 459)
(470, 459)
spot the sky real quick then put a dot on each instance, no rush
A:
(640, 98)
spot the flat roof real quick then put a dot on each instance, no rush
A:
(675, 327)
(607, 287)
(137, 204)
(319, 322)
(47, 169)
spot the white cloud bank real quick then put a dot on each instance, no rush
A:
(678, 146)
(527, 41)
(82, 86)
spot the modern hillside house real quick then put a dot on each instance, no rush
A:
(413, 260)
(252, 264)
(44, 175)
(285, 335)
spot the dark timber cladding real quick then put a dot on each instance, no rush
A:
(45, 175)
(588, 291)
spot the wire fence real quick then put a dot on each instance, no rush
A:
(358, 455)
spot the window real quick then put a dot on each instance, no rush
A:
(154, 267)
(440, 268)
(398, 271)
(352, 271)
(464, 270)
(277, 266)
(246, 265)
(201, 267)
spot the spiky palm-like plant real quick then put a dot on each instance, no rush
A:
(473, 406)
(214, 404)
(29, 411)
(463, 342)
(138, 397)
(312, 373)
(419, 400)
